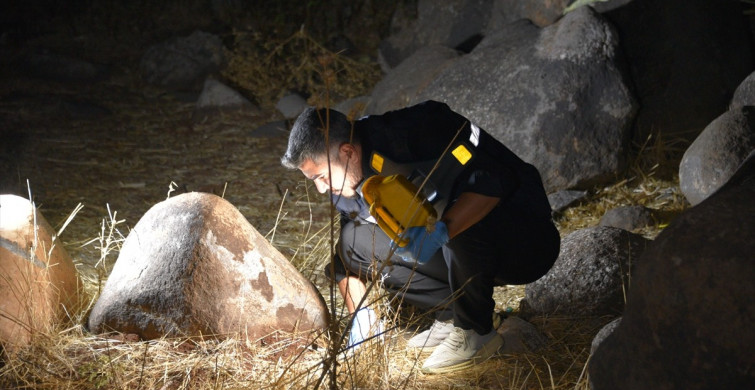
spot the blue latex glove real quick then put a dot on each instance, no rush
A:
(423, 244)
(364, 326)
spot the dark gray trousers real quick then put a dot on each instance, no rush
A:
(503, 248)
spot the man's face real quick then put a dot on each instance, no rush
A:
(342, 178)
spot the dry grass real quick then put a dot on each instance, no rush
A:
(651, 181)
(74, 359)
(268, 68)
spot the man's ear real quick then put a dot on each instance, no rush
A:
(347, 150)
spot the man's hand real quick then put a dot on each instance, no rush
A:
(423, 242)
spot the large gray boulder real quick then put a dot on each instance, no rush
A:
(716, 153)
(686, 58)
(689, 313)
(591, 274)
(555, 96)
(745, 93)
(194, 266)
(450, 24)
(401, 85)
(183, 63)
(459, 24)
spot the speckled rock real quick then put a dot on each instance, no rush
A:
(193, 265)
(627, 217)
(716, 153)
(590, 275)
(745, 93)
(520, 336)
(603, 333)
(556, 96)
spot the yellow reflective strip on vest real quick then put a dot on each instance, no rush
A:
(462, 154)
(377, 162)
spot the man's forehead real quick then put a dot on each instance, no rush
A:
(308, 165)
(313, 167)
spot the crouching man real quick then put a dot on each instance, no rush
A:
(494, 223)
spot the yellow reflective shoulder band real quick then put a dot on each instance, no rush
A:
(462, 154)
(377, 162)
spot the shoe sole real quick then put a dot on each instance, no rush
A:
(444, 370)
(421, 349)
(486, 352)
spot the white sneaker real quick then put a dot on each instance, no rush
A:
(461, 349)
(432, 337)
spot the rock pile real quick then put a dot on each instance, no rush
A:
(688, 314)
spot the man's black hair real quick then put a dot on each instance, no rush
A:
(307, 138)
